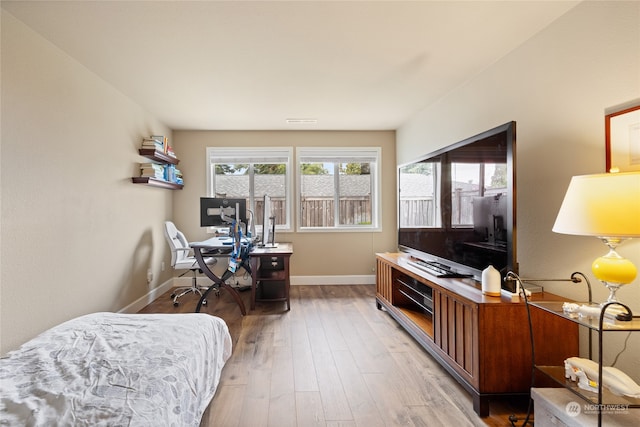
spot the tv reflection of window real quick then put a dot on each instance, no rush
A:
(489, 215)
(469, 180)
(419, 195)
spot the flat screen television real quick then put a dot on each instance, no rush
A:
(457, 206)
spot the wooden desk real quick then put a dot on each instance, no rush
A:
(270, 274)
(211, 248)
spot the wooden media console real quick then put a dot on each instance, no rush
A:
(482, 341)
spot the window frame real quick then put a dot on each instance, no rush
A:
(251, 156)
(336, 155)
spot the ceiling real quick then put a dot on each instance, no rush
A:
(359, 65)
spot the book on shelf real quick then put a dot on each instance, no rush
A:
(158, 177)
(157, 166)
(178, 176)
(170, 152)
(170, 173)
(152, 144)
(146, 143)
(164, 141)
(152, 175)
(158, 139)
(153, 170)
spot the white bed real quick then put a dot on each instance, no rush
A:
(108, 369)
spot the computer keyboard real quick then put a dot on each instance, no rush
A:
(437, 269)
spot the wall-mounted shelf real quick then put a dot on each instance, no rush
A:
(161, 158)
(153, 182)
(158, 156)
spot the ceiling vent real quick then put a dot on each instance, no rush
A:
(302, 121)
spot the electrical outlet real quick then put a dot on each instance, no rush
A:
(149, 276)
(162, 266)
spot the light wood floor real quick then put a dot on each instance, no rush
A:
(333, 360)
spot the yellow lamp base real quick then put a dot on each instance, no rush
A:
(614, 269)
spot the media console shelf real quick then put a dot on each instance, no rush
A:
(482, 341)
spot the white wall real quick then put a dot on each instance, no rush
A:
(77, 235)
(556, 87)
(315, 254)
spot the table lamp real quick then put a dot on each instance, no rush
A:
(606, 206)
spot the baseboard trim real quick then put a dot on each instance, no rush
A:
(334, 280)
(154, 293)
(295, 280)
(147, 299)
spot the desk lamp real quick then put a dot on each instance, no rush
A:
(606, 206)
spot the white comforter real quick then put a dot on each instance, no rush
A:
(108, 369)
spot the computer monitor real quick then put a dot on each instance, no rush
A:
(220, 212)
(489, 214)
(268, 224)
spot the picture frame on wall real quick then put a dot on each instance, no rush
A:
(622, 138)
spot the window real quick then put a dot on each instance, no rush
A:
(338, 188)
(250, 173)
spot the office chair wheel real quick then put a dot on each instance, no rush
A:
(204, 302)
(172, 296)
(176, 303)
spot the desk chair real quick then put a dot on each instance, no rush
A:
(181, 260)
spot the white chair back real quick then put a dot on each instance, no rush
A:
(177, 242)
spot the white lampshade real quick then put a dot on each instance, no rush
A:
(603, 205)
